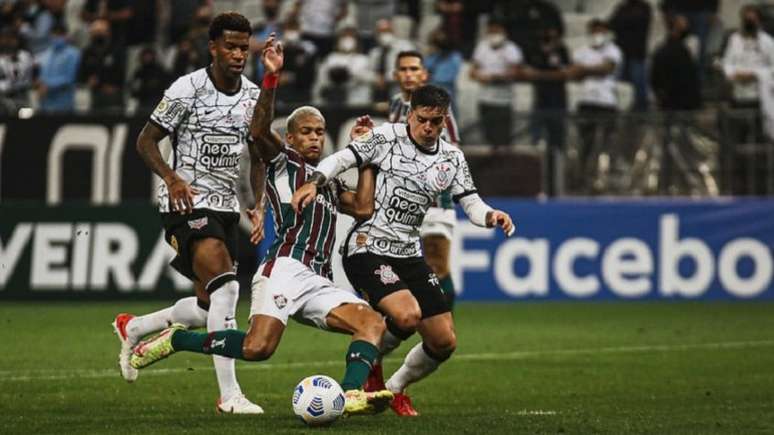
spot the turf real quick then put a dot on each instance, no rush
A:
(519, 368)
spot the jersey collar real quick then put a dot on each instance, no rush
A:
(422, 149)
(222, 91)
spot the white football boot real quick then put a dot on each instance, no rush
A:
(238, 405)
(128, 372)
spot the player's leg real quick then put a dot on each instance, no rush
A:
(438, 343)
(436, 329)
(436, 248)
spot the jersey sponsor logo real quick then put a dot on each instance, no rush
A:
(406, 207)
(386, 275)
(323, 201)
(361, 240)
(404, 249)
(168, 110)
(215, 152)
(280, 301)
(197, 224)
(368, 146)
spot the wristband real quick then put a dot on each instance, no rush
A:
(270, 81)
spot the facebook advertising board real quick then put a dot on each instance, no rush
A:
(607, 250)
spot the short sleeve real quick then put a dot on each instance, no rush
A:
(614, 55)
(368, 148)
(175, 105)
(515, 57)
(462, 185)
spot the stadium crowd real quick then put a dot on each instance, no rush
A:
(120, 55)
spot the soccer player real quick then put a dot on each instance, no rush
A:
(294, 279)
(207, 115)
(382, 255)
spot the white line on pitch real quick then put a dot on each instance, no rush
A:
(54, 374)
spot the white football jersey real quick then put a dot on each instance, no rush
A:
(208, 129)
(409, 181)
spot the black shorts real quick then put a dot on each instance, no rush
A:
(182, 229)
(376, 276)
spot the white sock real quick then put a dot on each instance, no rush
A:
(417, 365)
(188, 312)
(140, 326)
(223, 301)
(185, 311)
(389, 343)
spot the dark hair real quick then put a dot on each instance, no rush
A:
(496, 21)
(430, 96)
(59, 28)
(229, 21)
(409, 53)
(596, 22)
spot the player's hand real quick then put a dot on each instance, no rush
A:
(303, 197)
(502, 220)
(363, 125)
(256, 216)
(272, 55)
(181, 195)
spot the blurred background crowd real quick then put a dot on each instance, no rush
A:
(617, 96)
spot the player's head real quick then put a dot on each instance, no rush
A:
(229, 43)
(427, 117)
(306, 133)
(410, 71)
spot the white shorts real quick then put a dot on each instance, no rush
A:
(438, 222)
(294, 290)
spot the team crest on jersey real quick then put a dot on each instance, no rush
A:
(386, 274)
(442, 177)
(197, 224)
(280, 301)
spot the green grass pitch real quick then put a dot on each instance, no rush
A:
(519, 368)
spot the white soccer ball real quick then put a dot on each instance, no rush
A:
(318, 400)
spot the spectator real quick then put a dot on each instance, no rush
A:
(367, 17)
(36, 26)
(701, 15)
(459, 21)
(547, 69)
(748, 56)
(444, 63)
(525, 19)
(383, 57)
(599, 62)
(116, 12)
(16, 73)
(270, 24)
(496, 65)
(182, 15)
(58, 72)
(674, 73)
(102, 68)
(318, 19)
(149, 80)
(298, 72)
(674, 77)
(345, 76)
(141, 28)
(631, 25)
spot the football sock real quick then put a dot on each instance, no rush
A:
(226, 343)
(448, 290)
(224, 293)
(360, 358)
(189, 312)
(389, 343)
(141, 326)
(418, 364)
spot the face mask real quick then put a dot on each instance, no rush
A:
(347, 43)
(292, 36)
(386, 38)
(598, 39)
(496, 39)
(750, 26)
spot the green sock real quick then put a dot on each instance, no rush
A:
(360, 358)
(225, 343)
(447, 285)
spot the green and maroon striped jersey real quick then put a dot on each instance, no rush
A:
(309, 236)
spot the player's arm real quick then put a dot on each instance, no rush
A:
(258, 182)
(360, 204)
(181, 194)
(480, 213)
(333, 165)
(266, 143)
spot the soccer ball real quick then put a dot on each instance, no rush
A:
(318, 400)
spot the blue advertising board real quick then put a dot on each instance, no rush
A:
(617, 249)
